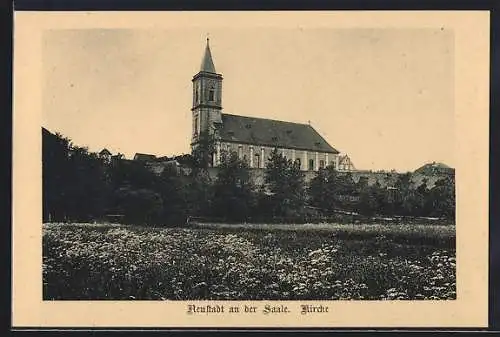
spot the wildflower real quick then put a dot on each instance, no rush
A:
(315, 252)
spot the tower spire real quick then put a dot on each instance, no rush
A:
(207, 64)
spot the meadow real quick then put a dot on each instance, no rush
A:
(249, 262)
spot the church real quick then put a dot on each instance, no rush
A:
(253, 139)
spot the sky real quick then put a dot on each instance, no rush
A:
(382, 96)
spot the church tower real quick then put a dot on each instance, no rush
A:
(207, 98)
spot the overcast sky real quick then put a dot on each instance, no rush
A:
(382, 96)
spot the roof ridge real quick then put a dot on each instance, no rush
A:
(268, 119)
(273, 132)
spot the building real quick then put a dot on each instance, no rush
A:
(144, 157)
(252, 138)
(430, 173)
(345, 164)
(105, 155)
(435, 169)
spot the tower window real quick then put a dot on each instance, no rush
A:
(195, 131)
(257, 160)
(211, 94)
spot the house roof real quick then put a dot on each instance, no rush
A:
(435, 168)
(274, 133)
(207, 64)
(346, 160)
(104, 152)
(144, 157)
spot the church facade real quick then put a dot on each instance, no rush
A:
(253, 139)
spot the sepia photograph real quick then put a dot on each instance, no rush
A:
(286, 183)
(289, 166)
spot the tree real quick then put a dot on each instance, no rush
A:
(325, 189)
(199, 193)
(55, 175)
(286, 184)
(234, 196)
(402, 202)
(203, 152)
(372, 199)
(442, 198)
(420, 200)
(132, 173)
(173, 190)
(87, 188)
(139, 206)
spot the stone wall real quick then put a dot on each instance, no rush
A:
(388, 179)
(258, 175)
(385, 179)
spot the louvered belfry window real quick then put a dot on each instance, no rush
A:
(195, 131)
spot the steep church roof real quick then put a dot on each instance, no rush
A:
(207, 65)
(274, 133)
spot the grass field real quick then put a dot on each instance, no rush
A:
(324, 261)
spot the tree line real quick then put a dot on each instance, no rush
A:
(78, 185)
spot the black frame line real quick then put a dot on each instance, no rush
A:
(316, 5)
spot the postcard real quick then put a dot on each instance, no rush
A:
(250, 169)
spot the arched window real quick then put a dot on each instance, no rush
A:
(211, 93)
(240, 152)
(195, 130)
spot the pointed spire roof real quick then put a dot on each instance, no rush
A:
(207, 64)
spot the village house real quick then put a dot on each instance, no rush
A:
(345, 164)
(105, 155)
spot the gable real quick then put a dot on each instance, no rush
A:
(273, 133)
